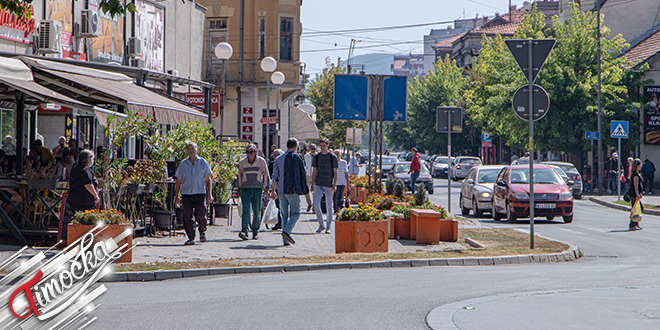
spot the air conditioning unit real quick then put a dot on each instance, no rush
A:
(50, 37)
(137, 62)
(89, 26)
(134, 47)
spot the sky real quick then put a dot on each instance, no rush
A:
(326, 15)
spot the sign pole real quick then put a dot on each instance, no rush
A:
(449, 129)
(531, 148)
(618, 190)
(592, 167)
(354, 165)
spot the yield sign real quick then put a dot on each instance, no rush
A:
(541, 48)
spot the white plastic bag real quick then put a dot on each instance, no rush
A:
(270, 214)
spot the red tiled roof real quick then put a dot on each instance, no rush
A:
(502, 29)
(517, 15)
(644, 49)
(448, 42)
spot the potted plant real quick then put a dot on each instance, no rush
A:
(223, 172)
(115, 223)
(360, 229)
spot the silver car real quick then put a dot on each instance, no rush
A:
(439, 167)
(573, 175)
(462, 165)
(477, 188)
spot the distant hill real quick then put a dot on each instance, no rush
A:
(377, 63)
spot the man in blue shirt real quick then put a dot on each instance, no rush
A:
(193, 181)
(289, 182)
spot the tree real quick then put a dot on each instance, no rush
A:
(570, 78)
(444, 87)
(320, 92)
(21, 8)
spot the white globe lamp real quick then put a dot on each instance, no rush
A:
(223, 51)
(277, 78)
(268, 64)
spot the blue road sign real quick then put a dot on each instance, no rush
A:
(394, 99)
(351, 97)
(485, 137)
(591, 135)
(619, 129)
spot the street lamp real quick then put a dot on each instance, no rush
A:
(278, 79)
(268, 64)
(223, 51)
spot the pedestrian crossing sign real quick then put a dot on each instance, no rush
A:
(619, 129)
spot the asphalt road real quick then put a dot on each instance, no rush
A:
(615, 261)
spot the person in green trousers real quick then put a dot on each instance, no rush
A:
(253, 180)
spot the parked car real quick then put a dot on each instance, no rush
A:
(401, 171)
(388, 165)
(462, 165)
(429, 161)
(439, 167)
(477, 188)
(563, 176)
(573, 174)
(511, 194)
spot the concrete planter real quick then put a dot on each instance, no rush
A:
(361, 236)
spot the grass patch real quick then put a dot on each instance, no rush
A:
(497, 242)
(646, 206)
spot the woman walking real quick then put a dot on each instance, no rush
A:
(635, 191)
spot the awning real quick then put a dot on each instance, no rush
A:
(115, 88)
(302, 127)
(17, 76)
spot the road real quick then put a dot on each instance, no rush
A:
(615, 261)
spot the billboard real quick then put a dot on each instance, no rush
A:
(150, 29)
(60, 11)
(108, 47)
(652, 115)
(199, 98)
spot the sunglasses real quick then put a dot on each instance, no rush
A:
(251, 152)
(312, 148)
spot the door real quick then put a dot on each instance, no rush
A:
(467, 188)
(499, 193)
(85, 132)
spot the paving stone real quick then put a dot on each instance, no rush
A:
(455, 262)
(221, 271)
(140, 276)
(295, 268)
(485, 261)
(524, 259)
(419, 263)
(195, 272)
(340, 266)
(381, 264)
(470, 261)
(318, 267)
(272, 269)
(247, 270)
(168, 274)
(438, 262)
(360, 265)
(401, 263)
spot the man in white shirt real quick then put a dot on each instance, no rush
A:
(342, 181)
(355, 164)
(308, 166)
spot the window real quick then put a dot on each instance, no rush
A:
(286, 39)
(217, 24)
(216, 33)
(262, 37)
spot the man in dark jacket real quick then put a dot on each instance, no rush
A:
(289, 182)
(648, 172)
(612, 168)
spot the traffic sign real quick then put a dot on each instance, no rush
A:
(541, 48)
(486, 140)
(456, 119)
(394, 99)
(540, 100)
(351, 98)
(591, 135)
(619, 129)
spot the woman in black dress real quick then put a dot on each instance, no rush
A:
(635, 189)
(83, 191)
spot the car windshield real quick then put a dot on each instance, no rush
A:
(560, 170)
(568, 168)
(405, 167)
(441, 160)
(471, 161)
(541, 176)
(387, 160)
(488, 176)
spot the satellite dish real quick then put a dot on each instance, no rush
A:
(308, 108)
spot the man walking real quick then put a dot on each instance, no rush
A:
(193, 181)
(355, 164)
(415, 168)
(342, 179)
(309, 157)
(289, 181)
(612, 168)
(324, 182)
(253, 179)
(648, 172)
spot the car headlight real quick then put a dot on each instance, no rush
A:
(522, 196)
(485, 194)
(563, 196)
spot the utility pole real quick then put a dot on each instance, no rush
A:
(600, 111)
(239, 110)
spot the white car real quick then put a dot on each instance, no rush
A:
(462, 165)
(477, 189)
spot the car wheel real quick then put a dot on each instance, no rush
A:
(464, 210)
(550, 217)
(509, 216)
(496, 216)
(568, 218)
(475, 208)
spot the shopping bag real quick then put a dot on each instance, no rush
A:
(239, 206)
(636, 212)
(270, 215)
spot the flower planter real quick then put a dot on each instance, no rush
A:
(400, 227)
(448, 230)
(74, 232)
(361, 236)
(42, 184)
(221, 210)
(428, 228)
(363, 195)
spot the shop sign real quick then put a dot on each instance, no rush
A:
(652, 115)
(10, 20)
(198, 100)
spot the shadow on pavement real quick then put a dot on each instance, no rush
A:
(256, 247)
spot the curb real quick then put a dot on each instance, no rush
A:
(621, 207)
(572, 254)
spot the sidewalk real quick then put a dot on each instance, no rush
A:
(610, 201)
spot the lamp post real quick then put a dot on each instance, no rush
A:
(223, 51)
(268, 64)
(277, 78)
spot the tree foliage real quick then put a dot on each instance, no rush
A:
(570, 78)
(320, 92)
(21, 9)
(444, 87)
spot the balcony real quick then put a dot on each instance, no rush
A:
(252, 73)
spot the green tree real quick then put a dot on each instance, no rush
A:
(442, 88)
(20, 8)
(570, 78)
(320, 92)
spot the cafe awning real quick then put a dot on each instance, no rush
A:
(102, 87)
(302, 126)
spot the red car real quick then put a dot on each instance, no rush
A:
(511, 194)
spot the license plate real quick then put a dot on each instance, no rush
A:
(546, 206)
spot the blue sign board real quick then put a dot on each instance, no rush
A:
(592, 135)
(394, 99)
(351, 97)
(485, 137)
(619, 129)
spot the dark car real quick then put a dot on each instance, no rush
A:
(511, 194)
(387, 166)
(401, 171)
(477, 188)
(439, 167)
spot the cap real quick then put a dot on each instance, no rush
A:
(614, 154)
(250, 147)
